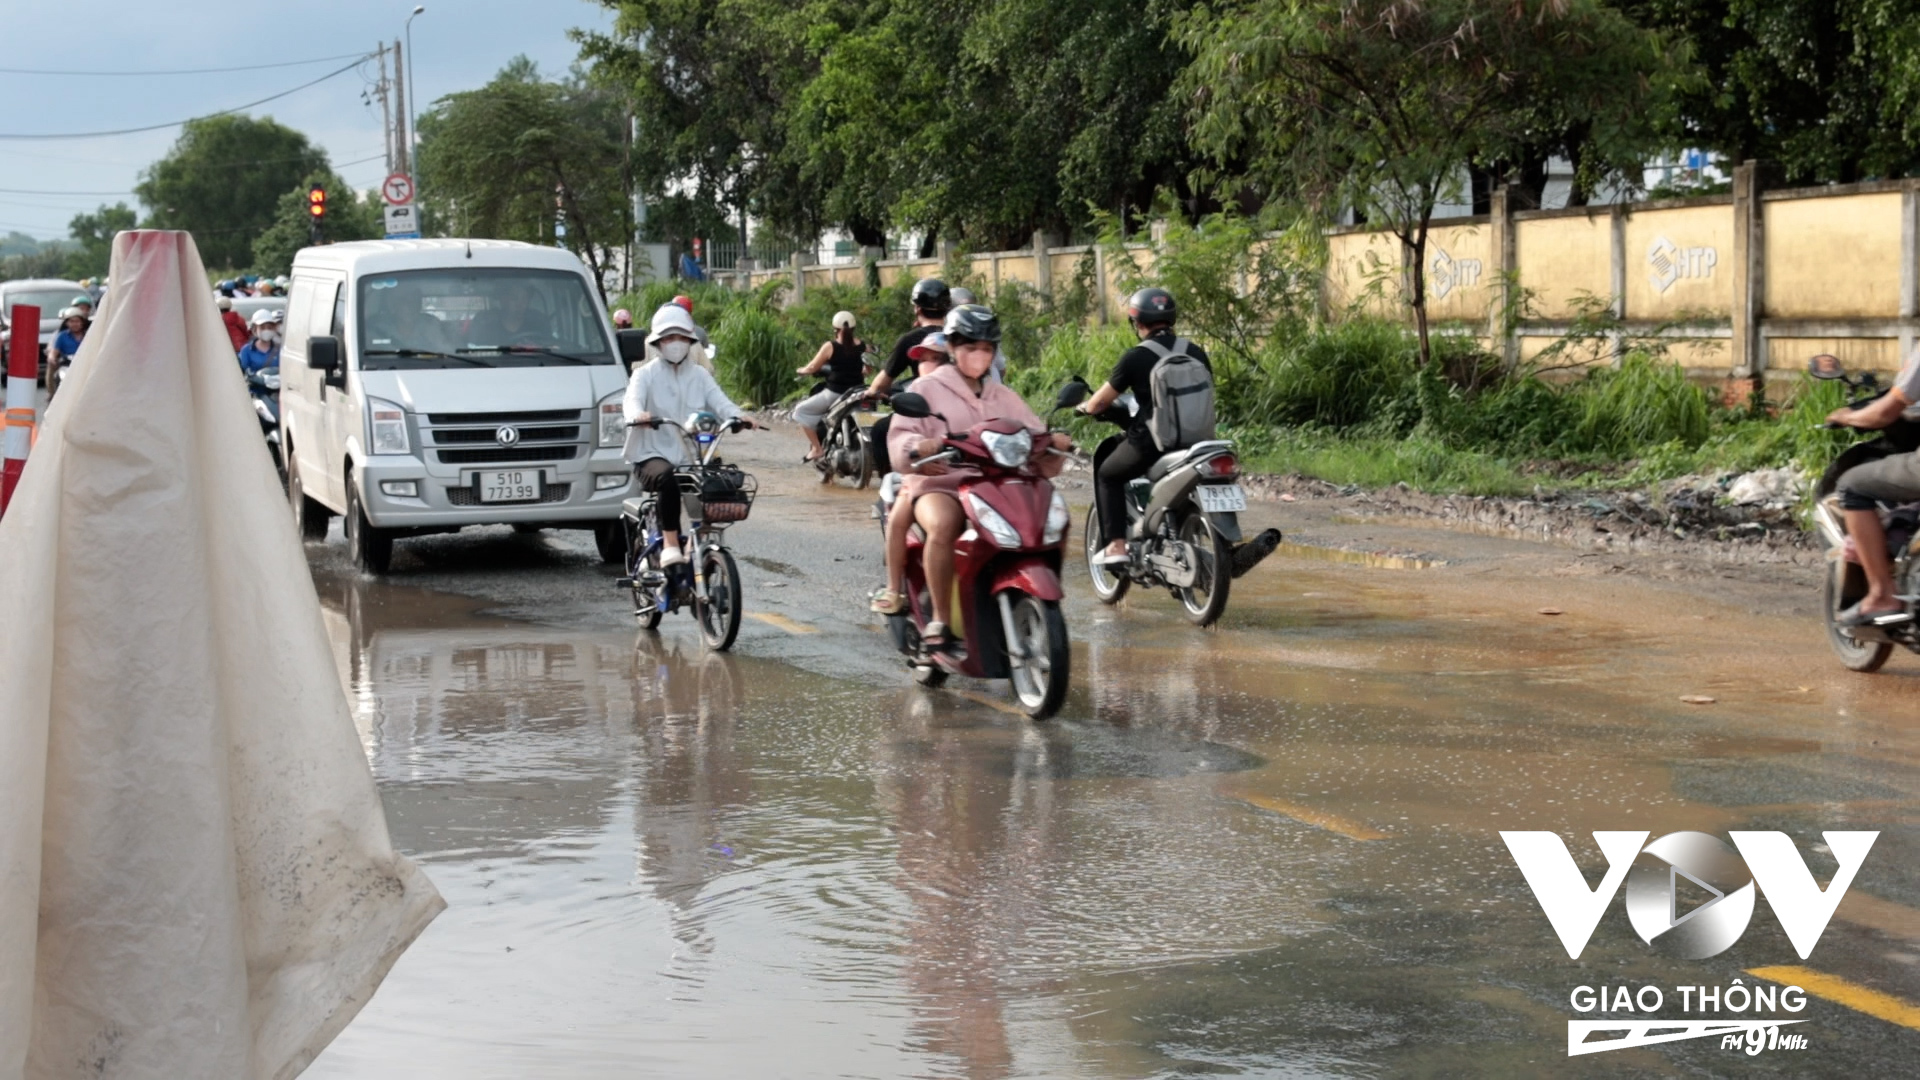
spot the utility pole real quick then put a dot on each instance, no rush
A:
(384, 91)
(404, 158)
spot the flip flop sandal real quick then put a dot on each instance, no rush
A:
(887, 602)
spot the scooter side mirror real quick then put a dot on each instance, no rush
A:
(1073, 393)
(910, 405)
(633, 346)
(1825, 366)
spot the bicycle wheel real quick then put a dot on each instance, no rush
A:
(646, 605)
(719, 613)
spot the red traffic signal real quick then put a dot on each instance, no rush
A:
(317, 202)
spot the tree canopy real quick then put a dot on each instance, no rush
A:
(94, 234)
(350, 216)
(523, 158)
(222, 181)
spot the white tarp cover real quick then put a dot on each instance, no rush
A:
(196, 879)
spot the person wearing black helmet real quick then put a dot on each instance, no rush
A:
(931, 300)
(1151, 311)
(960, 395)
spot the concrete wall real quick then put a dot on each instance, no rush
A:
(1737, 285)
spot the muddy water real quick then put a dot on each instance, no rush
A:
(1269, 850)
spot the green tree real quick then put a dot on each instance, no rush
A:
(523, 158)
(1377, 104)
(350, 216)
(94, 233)
(1828, 89)
(223, 180)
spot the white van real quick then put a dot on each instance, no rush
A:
(427, 385)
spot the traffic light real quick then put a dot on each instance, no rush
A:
(316, 214)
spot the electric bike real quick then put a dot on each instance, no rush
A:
(713, 495)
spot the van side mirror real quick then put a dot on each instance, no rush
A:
(323, 354)
(633, 346)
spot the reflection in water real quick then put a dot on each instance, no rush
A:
(689, 773)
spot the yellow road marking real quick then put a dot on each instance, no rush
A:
(1347, 827)
(982, 699)
(1841, 992)
(783, 622)
(1891, 919)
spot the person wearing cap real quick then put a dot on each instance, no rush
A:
(960, 396)
(83, 304)
(667, 387)
(623, 319)
(264, 350)
(236, 324)
(844, 358)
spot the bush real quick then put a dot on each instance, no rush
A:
(1641, 404)
(757, 355)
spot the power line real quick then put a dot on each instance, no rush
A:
(177, 123)
(180, 71)
(220, 164)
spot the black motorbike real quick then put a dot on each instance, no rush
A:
(1183, 529)
(264, 387)
(1866, 648)
(844, 450)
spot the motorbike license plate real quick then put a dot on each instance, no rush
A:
(509, 485)
(1221, 498)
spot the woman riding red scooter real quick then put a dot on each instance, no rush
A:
(991, 527)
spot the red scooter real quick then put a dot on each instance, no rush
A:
(1006, 607)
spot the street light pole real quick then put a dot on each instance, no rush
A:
(413, 135)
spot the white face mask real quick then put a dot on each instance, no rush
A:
(269, 336)
(674, 349)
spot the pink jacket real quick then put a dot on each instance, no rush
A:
(948, 394)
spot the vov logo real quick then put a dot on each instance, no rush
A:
(1764, 859)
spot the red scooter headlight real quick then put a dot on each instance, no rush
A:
(1224, 465)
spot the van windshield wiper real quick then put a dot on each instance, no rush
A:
(541, 350)
(425, 354)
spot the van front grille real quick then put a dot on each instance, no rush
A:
(466, 496)
(548, 417)
(510, 454)
(484, 435)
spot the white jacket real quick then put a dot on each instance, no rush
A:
(671, 392)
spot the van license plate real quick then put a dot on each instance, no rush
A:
(510, 485)
(1221, 498)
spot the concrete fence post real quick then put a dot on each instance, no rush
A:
(1500, 296)
(1042, 265)
(1100, 283)
(1909, 265)
(799, 277)
(23, 370)
(1617, 278)
(1749, 360)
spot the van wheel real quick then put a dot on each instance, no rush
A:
(308, 516)
(369, 549)
(610, 537)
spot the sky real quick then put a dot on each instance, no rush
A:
(459, 45)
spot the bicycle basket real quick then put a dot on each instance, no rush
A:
(717, 494)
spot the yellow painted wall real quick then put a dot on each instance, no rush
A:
(1583, 355)
(1363, 268)
(1064, 269)
(1871, 354)
(1564, 261)
(1459, 272)
(1680, 262)
(1019, 268)
(1835, 257)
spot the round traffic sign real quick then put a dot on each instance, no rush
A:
(398, 189)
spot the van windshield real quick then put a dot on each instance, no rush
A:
(493, 317)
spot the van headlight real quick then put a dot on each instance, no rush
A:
(1008, 449)
(1002, 531)
(389, 423)
(1056, 520)
(613, 420)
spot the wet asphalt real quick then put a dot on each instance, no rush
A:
(1265, 849)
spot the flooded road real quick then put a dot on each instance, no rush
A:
(1266, 850)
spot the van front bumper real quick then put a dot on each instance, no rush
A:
(444, 501)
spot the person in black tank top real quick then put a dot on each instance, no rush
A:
(843, 358)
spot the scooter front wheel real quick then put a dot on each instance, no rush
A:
(1108, 587)
(1855, 655)
(1040, 676)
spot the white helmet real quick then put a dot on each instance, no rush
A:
(263, 317)
(224, 303)
(671, 319)
(843, 320)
